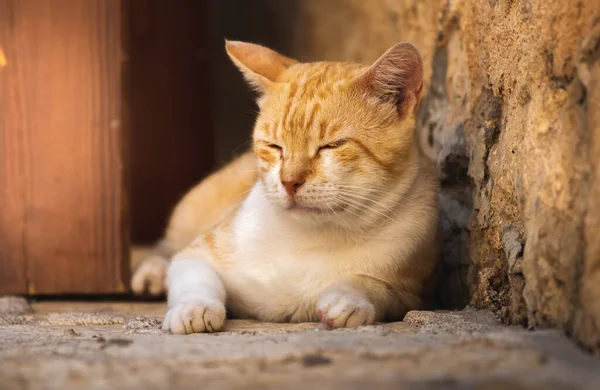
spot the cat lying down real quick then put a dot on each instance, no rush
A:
(333, 216)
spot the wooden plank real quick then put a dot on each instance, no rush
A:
(168, 100)
(12, 202)
(61, 168)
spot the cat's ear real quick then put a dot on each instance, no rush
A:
(259, 65)
(397, 76)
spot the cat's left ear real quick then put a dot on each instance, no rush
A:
(260, 66)
(397, 76)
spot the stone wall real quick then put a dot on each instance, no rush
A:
(512, 117)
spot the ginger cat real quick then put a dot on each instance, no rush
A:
(332, 217)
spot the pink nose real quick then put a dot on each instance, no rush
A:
(292, 186)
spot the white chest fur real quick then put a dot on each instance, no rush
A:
(278, 268)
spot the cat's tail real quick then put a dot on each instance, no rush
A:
(149, 276)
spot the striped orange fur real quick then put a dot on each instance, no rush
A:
(332, 215)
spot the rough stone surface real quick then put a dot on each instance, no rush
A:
(430, 350)
(14, 305)
(511, 116)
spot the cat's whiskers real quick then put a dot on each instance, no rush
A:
(243, 144)
(376, 201)
(349, 210)
(363, 207)
(340, 217)
(346, 193)
(243, 193)
(368, 189)
(253, 170)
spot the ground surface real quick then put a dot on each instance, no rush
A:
(71, 345)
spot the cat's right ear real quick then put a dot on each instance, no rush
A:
(260, 66)
(397, 76)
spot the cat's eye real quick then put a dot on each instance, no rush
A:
(275, 146)
(333, 145)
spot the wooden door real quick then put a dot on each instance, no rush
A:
(63, 215)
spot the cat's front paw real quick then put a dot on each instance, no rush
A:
(345, 309)
(195, 317)
(149, 276)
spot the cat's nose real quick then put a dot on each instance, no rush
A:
(292, 186)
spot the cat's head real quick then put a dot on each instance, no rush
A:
(332, 139)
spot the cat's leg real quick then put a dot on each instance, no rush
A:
(203, 207)
(196, 295)
(149, 276)
(355, 301)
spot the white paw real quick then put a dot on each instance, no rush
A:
(345, 309)
(195, 317)
(150, 276)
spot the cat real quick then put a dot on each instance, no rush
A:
(332, 217)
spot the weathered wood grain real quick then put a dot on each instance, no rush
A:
(63, 215)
